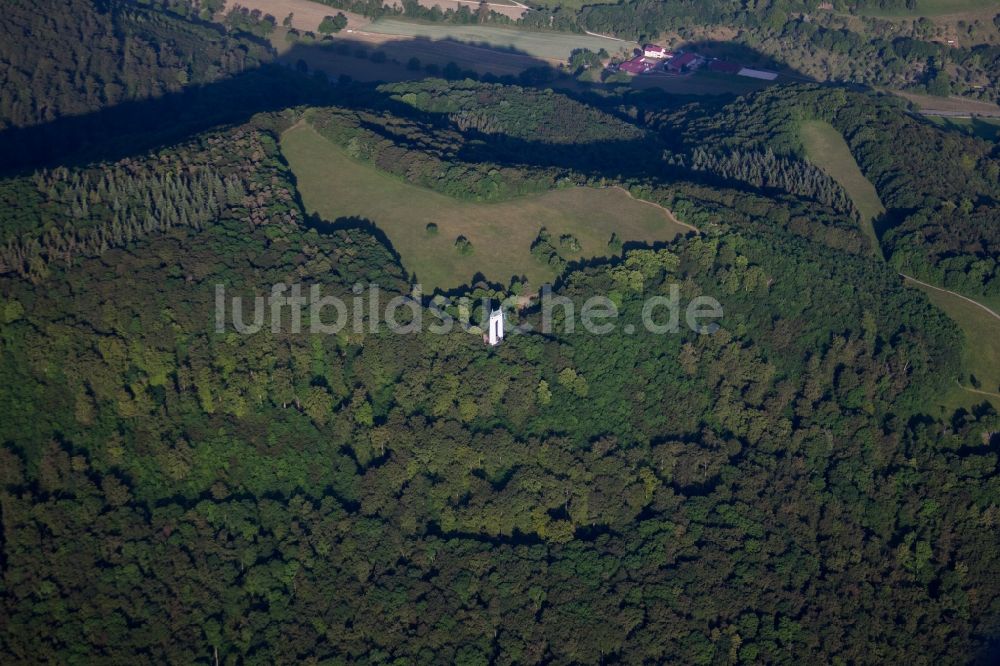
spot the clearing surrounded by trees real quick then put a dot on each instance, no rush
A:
(826, 148)
(981, 355)
(931, 8)
(335, 186)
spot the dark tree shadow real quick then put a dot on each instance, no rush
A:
(136, 127)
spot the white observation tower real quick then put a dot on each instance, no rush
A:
(496, 327)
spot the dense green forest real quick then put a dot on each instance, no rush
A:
(241, 480)
(538, 115)
(941, 188)
(786, 489)
(68, 57)
(377, 496)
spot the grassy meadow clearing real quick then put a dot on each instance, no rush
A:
(826, 148)
(336, 186)
(932, 8)
(980, 355)
(960, 105)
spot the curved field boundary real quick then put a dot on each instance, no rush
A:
(336, 186)
(972, 390)
(670, 213)
(981, 351)
(827, 149)
(952, 293)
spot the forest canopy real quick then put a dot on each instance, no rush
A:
(789, 488)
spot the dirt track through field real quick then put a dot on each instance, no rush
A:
(955, 294)
(951, 106)
(669, 213)
(972, 390)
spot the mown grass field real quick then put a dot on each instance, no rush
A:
(980, 354)
(334, 186)
(826, 148)
(544, 45)
(962, 105)
(934, 8)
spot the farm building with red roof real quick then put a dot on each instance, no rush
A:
(635, 66)
(687, 61)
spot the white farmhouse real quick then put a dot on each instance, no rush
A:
(655, 51)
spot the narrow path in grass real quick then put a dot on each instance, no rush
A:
(972, 390)
(981, 352)
(826, 148)
(953, 293)
(597, 34)
(669, 213)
